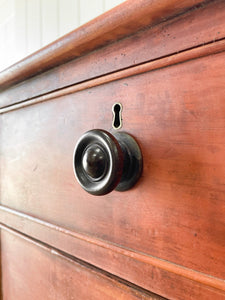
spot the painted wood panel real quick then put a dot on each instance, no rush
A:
(28, 25)
(152, 44)
(49, 21)
(111, 3)
(34, 32)
(68, 18)
(20, 42)
(154, 39)
(6, 9)
(6, 32)
(90, 9)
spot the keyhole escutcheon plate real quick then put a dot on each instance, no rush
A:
(117, 115)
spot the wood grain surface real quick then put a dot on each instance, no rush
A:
(149, 272)
(167, 234)
(202, 51)
(121, 21)
(176, 211)
(35, 271)
(195, 28)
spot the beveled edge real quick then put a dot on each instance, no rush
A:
(119, 22)
(181, 57)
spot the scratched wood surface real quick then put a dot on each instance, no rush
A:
(199, 26)
(48, 274)
(149, 272)
(176, 211)
(167, 234)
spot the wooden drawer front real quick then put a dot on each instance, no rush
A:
(34, 271)
(176, 211)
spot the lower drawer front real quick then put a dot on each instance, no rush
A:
(34, 271)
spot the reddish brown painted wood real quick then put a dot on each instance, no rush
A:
(162, 273)
(176, 210)
(47, 274)
(183, 32)
(123, 20)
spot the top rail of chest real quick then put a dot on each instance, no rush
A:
(131, 34)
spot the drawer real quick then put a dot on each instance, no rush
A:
(169, 228)
(33, 270)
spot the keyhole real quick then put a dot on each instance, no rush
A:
(117, 115)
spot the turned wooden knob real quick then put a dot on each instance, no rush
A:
(104, 162)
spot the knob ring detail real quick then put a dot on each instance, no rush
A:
(114, 162)
(103, 162)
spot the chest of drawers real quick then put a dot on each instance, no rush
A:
(163, 61)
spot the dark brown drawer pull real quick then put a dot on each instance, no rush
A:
(103, 162)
